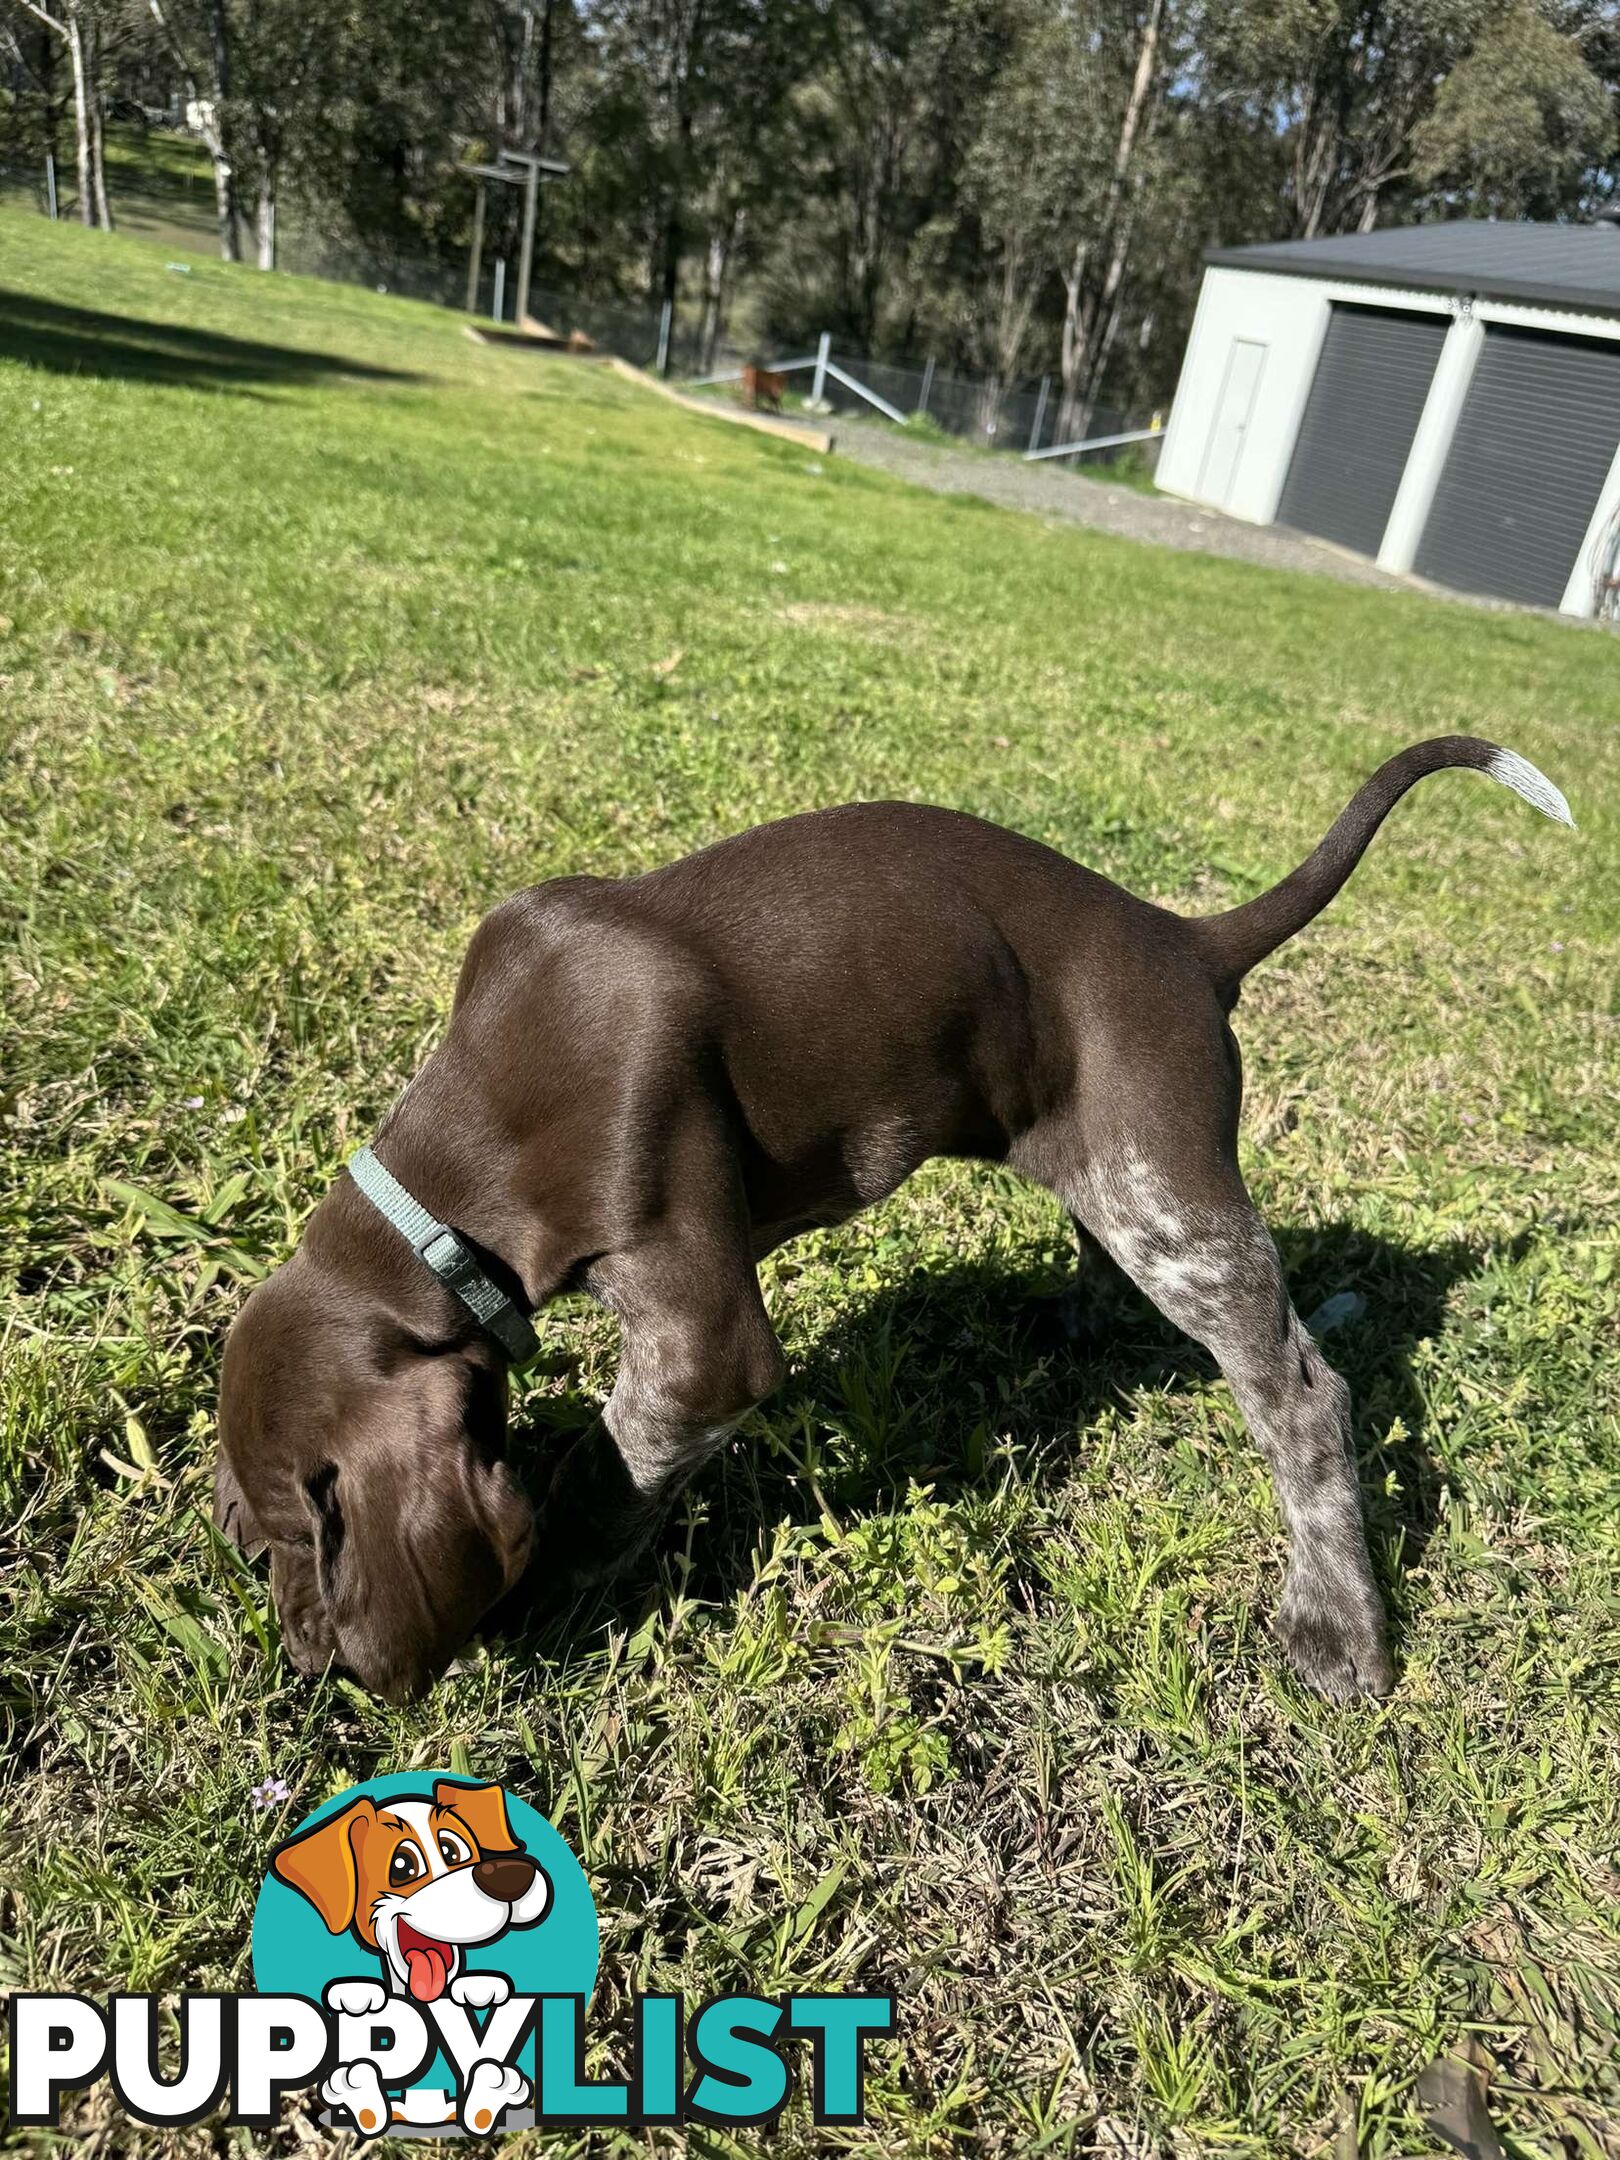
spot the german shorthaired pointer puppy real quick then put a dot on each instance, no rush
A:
(649, 1082)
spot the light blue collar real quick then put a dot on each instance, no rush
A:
(448, 1256)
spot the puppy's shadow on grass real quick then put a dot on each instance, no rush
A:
(922, 1381)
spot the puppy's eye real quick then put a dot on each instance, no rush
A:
(455, 1850)
(405, 1866)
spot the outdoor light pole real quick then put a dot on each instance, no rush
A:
(513, 168)
(531, 192)
(475, 259)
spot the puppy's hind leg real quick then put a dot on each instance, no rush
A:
(1209, 1264)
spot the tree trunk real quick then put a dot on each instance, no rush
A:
(81, 122)
(264, 224)
(542, 123)
(225, 199)
(1072, 349)
(98, 140)
(669, 257)
(1091, 320)
(230, 245)
(716, 275)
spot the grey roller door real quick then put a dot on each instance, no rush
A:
(1365, 403)
(1536, 437)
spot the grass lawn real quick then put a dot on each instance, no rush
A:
(159, 182)
(321, 630)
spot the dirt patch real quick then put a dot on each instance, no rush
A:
(1082, 500)
(827, 611)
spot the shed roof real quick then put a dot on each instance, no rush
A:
(1566, 266)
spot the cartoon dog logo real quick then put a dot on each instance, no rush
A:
(417, 1881)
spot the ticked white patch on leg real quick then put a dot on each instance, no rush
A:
(1184, 1257)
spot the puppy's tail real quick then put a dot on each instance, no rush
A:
(1237, 940)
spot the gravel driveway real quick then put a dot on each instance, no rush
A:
(1084, 501)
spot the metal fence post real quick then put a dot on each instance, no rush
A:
(928, 383)
(1040, 412)
(818, 387)
(665, 318)
(50, 182)
(498, 305)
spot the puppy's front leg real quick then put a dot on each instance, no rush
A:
(698, 1354)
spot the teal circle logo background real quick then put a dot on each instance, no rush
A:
(294, 1954)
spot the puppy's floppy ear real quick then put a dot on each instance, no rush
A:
(483, 1809)
(320, 1864)
(419, 1524)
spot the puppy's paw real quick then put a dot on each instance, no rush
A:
(355, 1998)
(1338, 1651)
(480, 1990)
(356, 2089)
(492, 2088)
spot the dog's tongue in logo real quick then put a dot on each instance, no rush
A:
(427, 1963)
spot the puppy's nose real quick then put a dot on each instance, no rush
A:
(504, 1875)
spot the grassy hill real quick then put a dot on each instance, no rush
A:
(321, 629)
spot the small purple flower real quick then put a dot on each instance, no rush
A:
(271, 1793)
(1557, 945)
(1469, 1118)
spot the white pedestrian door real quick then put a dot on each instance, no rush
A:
(1224, 453)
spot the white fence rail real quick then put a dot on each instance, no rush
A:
(996, 414)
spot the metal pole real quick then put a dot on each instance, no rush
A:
(1040, 412)
(666, 317)
(1094, 442)
(862, 390)
(475, 261)
(818, 387)
(928, 384)
(50, 181)
(499, 307)
(531, 190)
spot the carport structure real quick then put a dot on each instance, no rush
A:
(1444, 398)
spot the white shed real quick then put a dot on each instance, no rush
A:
(1445, 398)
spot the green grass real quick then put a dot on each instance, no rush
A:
(321, 629)
(159, 184)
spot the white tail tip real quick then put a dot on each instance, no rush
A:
(1522, 777)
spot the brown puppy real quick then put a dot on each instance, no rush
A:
(648, 1083)
(760, 389)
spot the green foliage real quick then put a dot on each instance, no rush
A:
(1520, 122)
(322, 629)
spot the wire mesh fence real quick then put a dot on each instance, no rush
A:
(996, 415)
(1021, 417)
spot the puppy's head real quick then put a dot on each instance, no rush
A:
(361, 1426)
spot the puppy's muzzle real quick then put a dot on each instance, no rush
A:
(504, 1876)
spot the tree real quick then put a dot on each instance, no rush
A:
(1520, 124)
(1344, 83)
(209, 105)
(78, 29)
